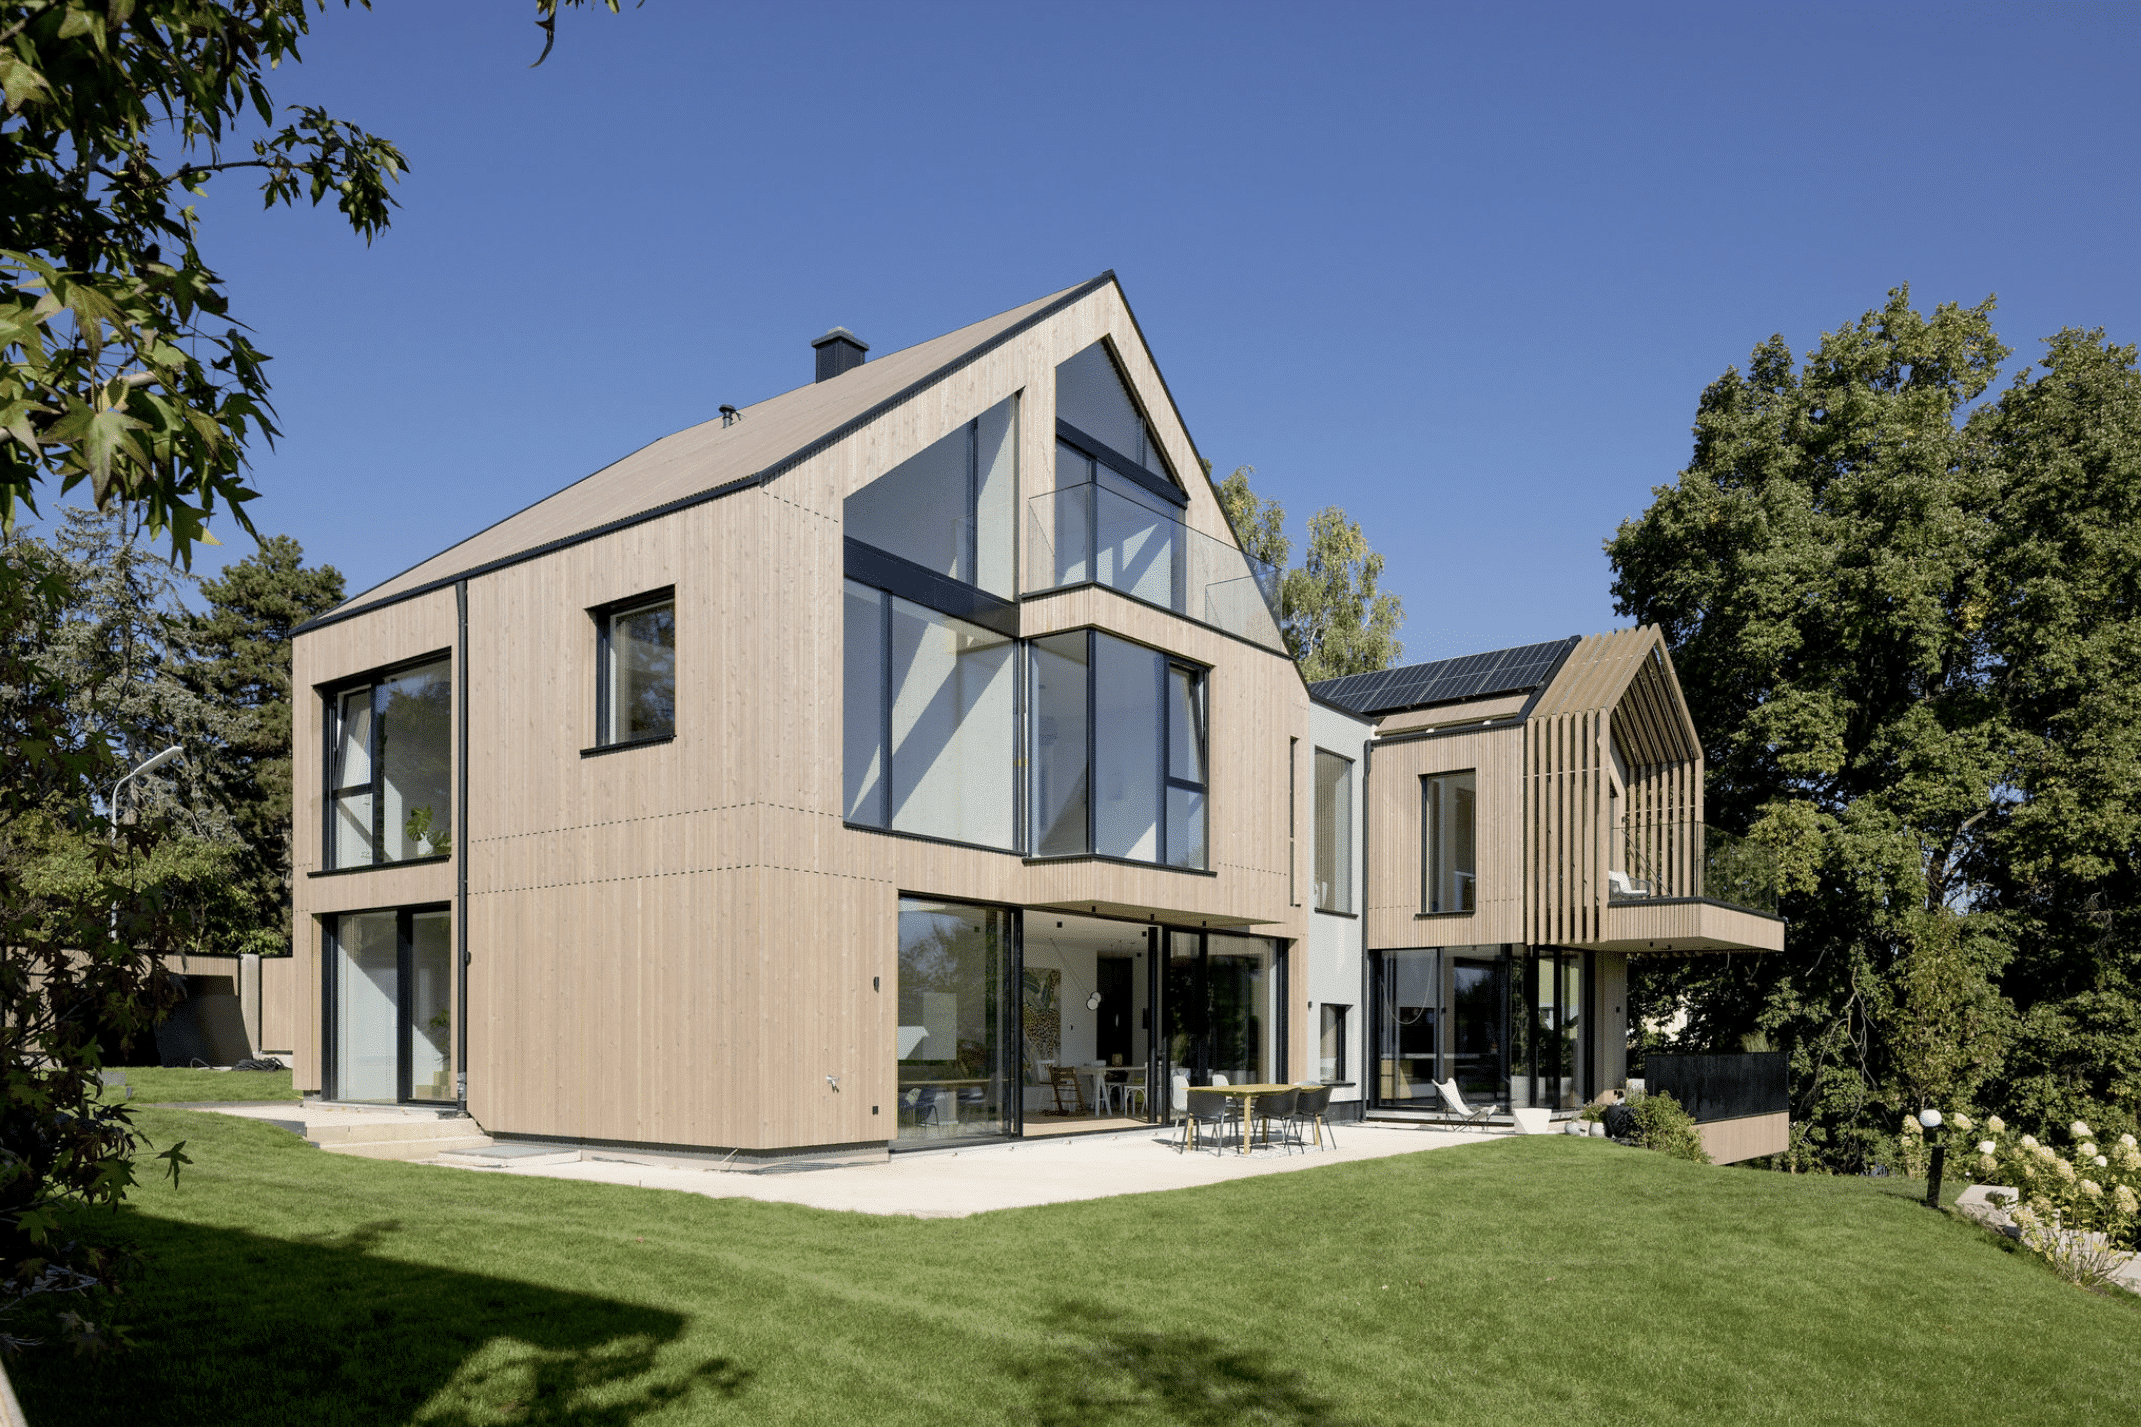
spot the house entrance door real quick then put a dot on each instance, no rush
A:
(390, 1006)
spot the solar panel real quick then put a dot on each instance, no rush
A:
(1468, 676)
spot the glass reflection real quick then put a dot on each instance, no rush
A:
(954, 989)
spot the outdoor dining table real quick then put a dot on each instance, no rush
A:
(1247, 1095)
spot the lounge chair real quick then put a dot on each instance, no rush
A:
(1455, 1109)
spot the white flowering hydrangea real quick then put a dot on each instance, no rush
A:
(2063, 1170)
(1962, 1122)
(2091, 1188)
(1995, 1124)
(1986, 1147)
(2087, 1149)
(2081, 1131)
(2029, 1142)
(2126, 1201)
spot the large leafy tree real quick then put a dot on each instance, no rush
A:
(124, 372)
(1846, 573)
(1335, 618)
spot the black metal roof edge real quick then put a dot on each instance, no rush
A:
(778, 468)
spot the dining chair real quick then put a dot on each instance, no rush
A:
(1062, 1078)
(1279, 1106)
(1130, 1089)
(1204, 1107)
(1310, 1109)
(1218, 1079)
(1177, 1094)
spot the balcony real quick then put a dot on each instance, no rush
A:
(1093, 533)
(1689, 859)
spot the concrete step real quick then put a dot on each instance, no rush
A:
(509, 1154)
(342, 1132)
(409, 1150)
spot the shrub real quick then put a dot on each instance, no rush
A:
(2079, 1211)
(1660, 1124)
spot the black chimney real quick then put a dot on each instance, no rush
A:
(839, 351)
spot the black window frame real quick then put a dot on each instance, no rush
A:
(1352, 899)
(1429, 861)
(605, 617)
(332, 696)
(1165, 664)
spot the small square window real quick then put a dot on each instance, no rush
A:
(635, 674)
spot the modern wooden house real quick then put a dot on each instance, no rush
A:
(1534, 818)
(914, 756)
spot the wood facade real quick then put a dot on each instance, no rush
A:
(683, 944)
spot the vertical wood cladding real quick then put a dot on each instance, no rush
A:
(675, 944)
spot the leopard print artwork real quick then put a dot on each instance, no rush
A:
(1042, 1015)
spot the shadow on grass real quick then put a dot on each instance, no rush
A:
(1109, 1371)
(234, 1327)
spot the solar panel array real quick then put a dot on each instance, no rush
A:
(1469, 676)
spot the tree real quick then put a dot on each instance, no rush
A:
(120, 368)
(236, 662)
(1334, 618)
(1843, 575)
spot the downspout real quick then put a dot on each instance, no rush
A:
(460, 892)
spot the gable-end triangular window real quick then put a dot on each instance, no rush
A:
(1093, 399)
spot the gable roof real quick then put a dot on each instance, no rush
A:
(1446, 681)
(710, 460)
(1629, 672)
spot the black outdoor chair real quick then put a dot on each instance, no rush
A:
(1204, 1107)
(1279, 1106)
(1310, 1110)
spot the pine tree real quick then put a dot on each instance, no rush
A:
(237, 663)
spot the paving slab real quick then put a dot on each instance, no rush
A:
(953, 1183)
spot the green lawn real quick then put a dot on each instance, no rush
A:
(1519, 1280)
(153, 1085)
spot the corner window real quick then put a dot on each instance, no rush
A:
(390, 767)
(930, 722)
(1334, 832)
(1119, 757)
(949, 509)
(1331, 1042)
(635, 670)
(1450, 871)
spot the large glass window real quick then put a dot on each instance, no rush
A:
(1119, 755)
(1334, 832)
(954, 1033)
(1506, 1023)
(1451, 865)
(390, 768)
(1060, 755)
(636, 671)
(1408, 1015)
(1092, 397)
(392, 1023)
(1223, 995)
(930, 722)
(950, 508)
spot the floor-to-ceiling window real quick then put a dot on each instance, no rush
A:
(956, 1000)
(1505, 1023)
(1225, 999)
(391, 1005)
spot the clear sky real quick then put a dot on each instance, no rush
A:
(1461, 270)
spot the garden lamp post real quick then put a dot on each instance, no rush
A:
(112, 807)
(1929, 1118)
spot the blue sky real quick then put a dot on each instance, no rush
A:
(1460, 270)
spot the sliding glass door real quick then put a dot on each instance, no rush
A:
(390, 1006)
(956, 1036)
(1223, 1006)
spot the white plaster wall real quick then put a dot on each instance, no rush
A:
(1332, 964)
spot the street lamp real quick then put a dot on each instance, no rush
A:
(112, 808)
(1929, 1120)
(174, 751)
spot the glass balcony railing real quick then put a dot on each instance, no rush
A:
(1088, 533)
(1688, 859)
